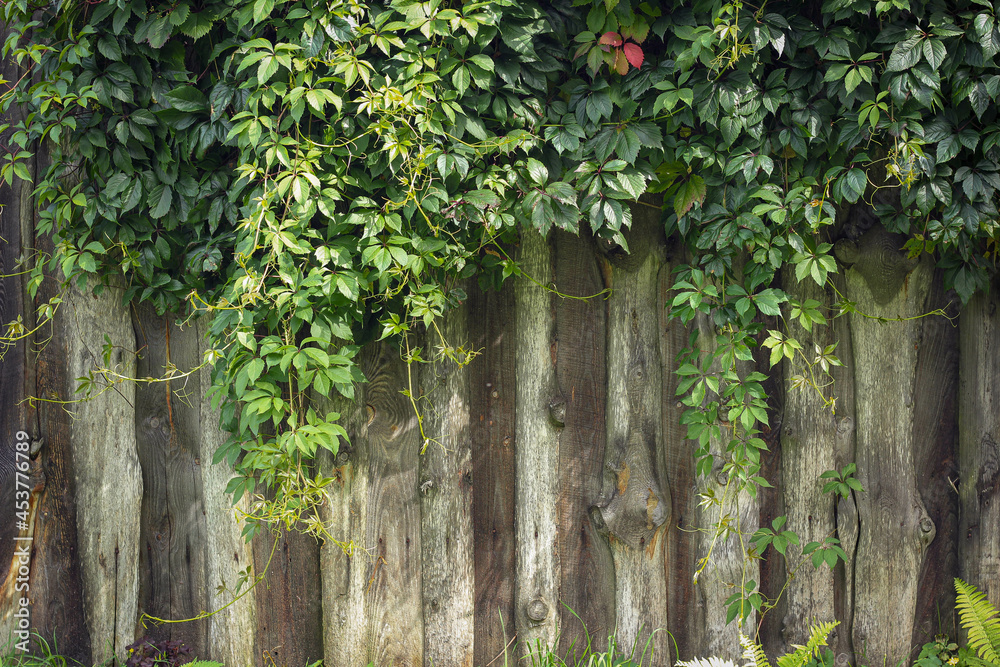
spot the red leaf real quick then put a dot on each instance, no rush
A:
(612, 38)
(634, 54)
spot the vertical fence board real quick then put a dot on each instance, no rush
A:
(288, 608)
(108, 478)
(935, 455)
(56, 580)
(979, 451)
(727, 565)
(846, 508)
(587, 577)
(894, 526)
(231, 630)
(378, 613)
(173, 532)
(536, 592)
(344, 571)
(446, 504)
(808, 449)
(15, 202)
(492, 387)
(685, 613)
(635, 500)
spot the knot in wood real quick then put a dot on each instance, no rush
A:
(537, 610)
(879, 257)
(926, 525)
(843, 660)
(721, 478)
(557, 411)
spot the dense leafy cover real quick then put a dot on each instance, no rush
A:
(322, 174)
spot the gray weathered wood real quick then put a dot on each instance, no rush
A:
(847, 512)
(727, 565)
(686, 613)
(635, 501)
(372, 601)
(894, 526)
(979, 451)
(536, 593)
(106, 467)
(935, 456)
(56, 578)
(808, 449)
(231, 630)
(167, 429)
(492, 386)
(446, 502)
(587, 577)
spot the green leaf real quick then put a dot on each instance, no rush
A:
(187, 98)
(693, 190)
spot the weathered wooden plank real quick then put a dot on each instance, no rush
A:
(727, 565)
(375, 609)
(895, 528)
(173, 532)
(808, 449)
(448, 573)
(635, 499)
(231, 630)
(492, 394)
(686, 613)
(935, 456)
(15, 202)
(587, 576)
(288, 609)
(56, 591)
(979, 451)
(344, 572)
(536, 592)
(846, 509)
(108, 478)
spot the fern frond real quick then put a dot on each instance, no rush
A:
(706, 662)
(817, 639)
(753, 653)
(979, 619)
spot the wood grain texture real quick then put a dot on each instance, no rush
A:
(15, 202)
(536, 592)
(686, 613)
(979, 445)
(448, 572)
(173, 531)
(846, 510)
(231, 630)
(106, 468)
(375, 607)
(808, 449)
(895, 528)
(634, 507)
(727, 565)
(587, 575)
(288, 610)
(345, 575)
(935, 455)
(56, 578)
(492, 395)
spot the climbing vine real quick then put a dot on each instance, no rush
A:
(318, 175)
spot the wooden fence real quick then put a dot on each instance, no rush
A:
(560, 495)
